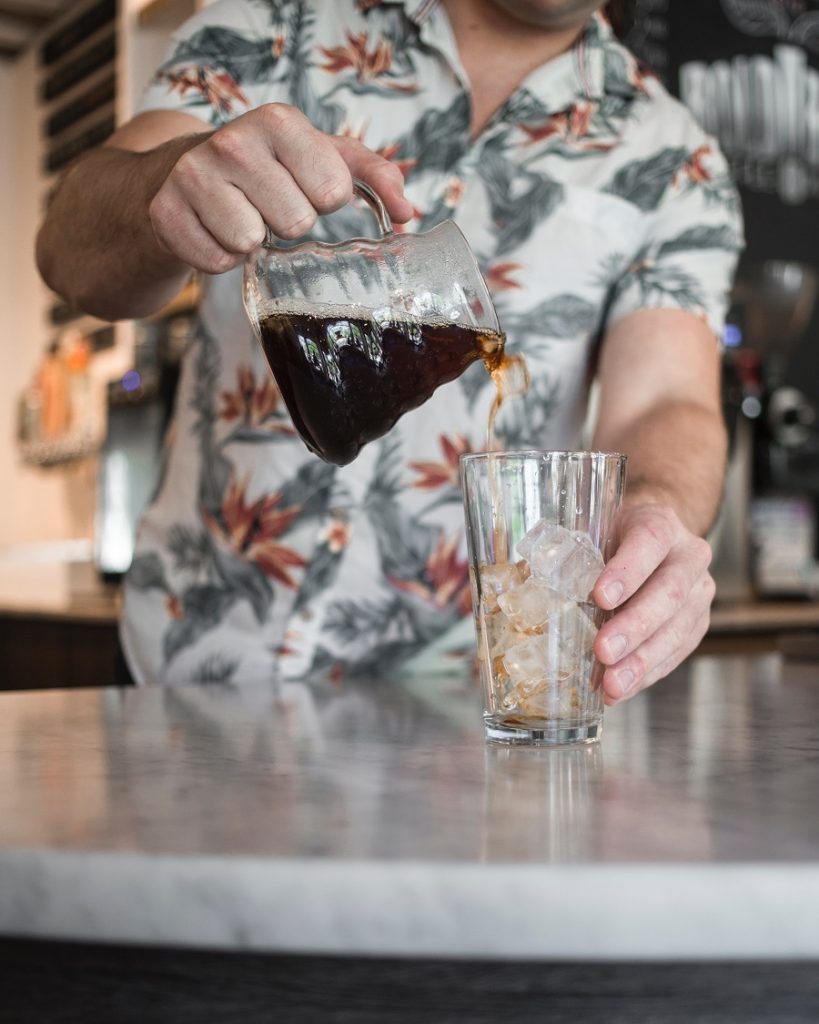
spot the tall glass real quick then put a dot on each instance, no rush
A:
(540, 527)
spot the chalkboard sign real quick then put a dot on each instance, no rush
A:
(749, 71)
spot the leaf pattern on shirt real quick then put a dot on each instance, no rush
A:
(203, 607)
(299, 55)
(437, 140)
(242, 57)
(644, 182)
(520, 200)
(562, 316)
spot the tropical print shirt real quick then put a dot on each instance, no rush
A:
(590, 194)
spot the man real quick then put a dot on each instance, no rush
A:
(604, 222)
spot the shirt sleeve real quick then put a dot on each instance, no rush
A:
(693, 239)
(221, 63)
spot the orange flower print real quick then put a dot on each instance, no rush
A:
(454, 192)
(439, 474)
(216, 88)
(694, 168)
(250, 530)
(336, 535)
(254, 404)
(446, 578)
(573, 128)
(278, 45)
(580, 117)
(558, 125)
(638, 76)
(499, 276)
(389, 151)
(368, 64)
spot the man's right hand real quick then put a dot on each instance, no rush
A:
(269, 167)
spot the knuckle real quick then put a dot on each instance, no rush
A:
(676, 592)
(282, 121)
(639, 665)
(332, 194)
(296, 226)
(641, 627)
(187, 169)
(228, 144)
(166, 216)
(710, 587)
(676, 638)
(250, 239)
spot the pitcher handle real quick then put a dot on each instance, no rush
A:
(373, 200)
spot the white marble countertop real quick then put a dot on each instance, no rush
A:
(374, 820)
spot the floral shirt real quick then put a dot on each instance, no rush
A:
(590, 194)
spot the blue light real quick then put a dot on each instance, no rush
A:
(731, 336)
(131, 381)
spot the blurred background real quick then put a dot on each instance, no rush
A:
(84, 404)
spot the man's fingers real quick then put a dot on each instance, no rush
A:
(655, 658)
(381, 175)
(180, 232)
(647, 539)
(224, 211)
(656, 602)
(310, 156)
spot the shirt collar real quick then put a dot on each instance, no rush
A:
(416, 10)
(597, 65)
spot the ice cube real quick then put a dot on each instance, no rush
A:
(529, 604)
(497, 579)
(522, 696)
(584, 627)
(500, 633)
(530, 660)
(566, 559)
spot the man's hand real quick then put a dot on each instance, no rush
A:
(658, 584)
(269, 167)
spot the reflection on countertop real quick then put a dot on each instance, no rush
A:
(375, 818)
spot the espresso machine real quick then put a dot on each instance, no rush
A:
(765, 541)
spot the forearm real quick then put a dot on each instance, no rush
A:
(96, 246)
(676, 456)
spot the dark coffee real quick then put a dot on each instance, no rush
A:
(347, 380)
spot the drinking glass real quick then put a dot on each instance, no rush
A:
(540, 527)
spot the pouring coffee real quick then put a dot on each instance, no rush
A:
(360, 332)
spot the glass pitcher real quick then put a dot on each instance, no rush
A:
(360, 332)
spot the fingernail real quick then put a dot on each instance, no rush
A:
(613, 592)
(626, 681)
(616, 646)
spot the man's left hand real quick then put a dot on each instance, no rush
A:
(658, 584)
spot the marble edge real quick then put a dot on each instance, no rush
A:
(413, 909)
